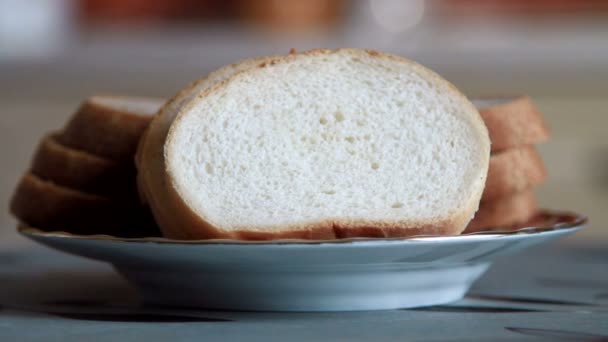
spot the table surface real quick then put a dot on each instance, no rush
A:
(555, 292)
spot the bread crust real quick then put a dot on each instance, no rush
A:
(192, 225)
(83, 171)
(106, 131)
(512, 171)
(504, 212)
(48, 206)
(512, 122)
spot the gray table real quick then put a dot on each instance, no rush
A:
(553, 293)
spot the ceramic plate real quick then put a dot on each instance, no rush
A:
(289, 275)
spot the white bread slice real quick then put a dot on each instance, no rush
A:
(512, 121)
(150, 157)
(51, 207)
(512, 171)
(504, 212)
(83, 171)
(327, 144)
(110, 126)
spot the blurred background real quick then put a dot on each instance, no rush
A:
(54, 53)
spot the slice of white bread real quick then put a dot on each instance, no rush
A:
(504, 212)
(110, 126)
(512, 171)
(51, 207)
(150, 153)
(83, 171)
(512, 121)
(326, 144)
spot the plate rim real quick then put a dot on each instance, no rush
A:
(570, 221)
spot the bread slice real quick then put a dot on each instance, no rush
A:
(513, 170)
(327, 144)
(50, 207)
(83, 171)
(150, 156)
(504, 212)
(512, 121)
(110, 126)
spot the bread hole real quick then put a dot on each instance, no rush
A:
(225, 124)
(208, 168)
(351, 152)
(360, 123)
(375, 166)
(368, 83)
(452, 143)
(400, 104)
(323, 121)
(418, 94)
(366, 137)
(243, 168)
(355, 59)
(328, 192)
(303, 139)
(397, 205)
(339, 116)
(350, 139)
(313, 141)
(257, 106)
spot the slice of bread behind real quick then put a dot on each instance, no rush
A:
(51, 207)
(110, 126)
(150, 152)
(504, 212)
(512, 121)
(328, 144)
(512, 171)
(83, 171)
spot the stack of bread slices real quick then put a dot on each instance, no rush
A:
(316, 145)
(82, 178)
(516, 168)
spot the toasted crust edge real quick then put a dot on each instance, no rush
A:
(513, 170)
(83, 171)
(106, 131)
(52, 207)
(514, 122)
(504, 212)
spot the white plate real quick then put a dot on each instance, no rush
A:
(354, 274)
